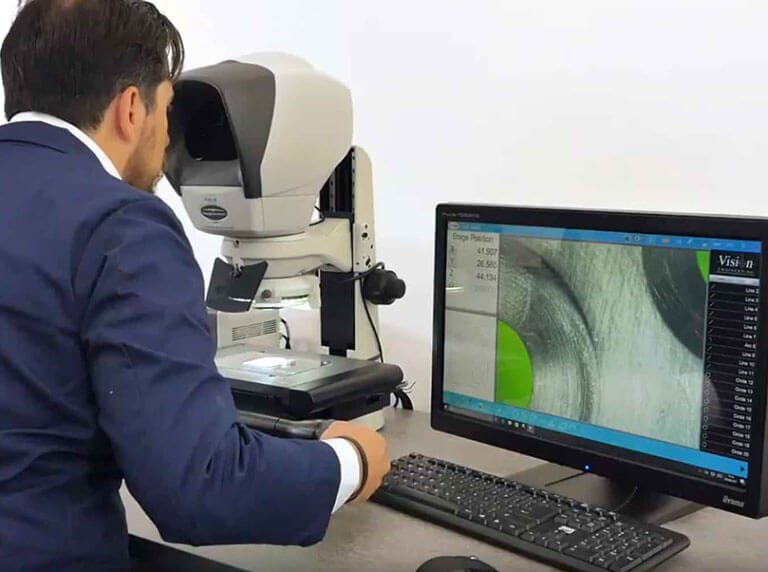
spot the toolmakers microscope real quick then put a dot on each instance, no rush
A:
(261, 154)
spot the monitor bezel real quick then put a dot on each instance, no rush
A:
(610, 465)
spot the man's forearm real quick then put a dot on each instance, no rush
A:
(349, 463)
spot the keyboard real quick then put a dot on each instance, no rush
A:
(533, 522)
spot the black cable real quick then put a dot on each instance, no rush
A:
(400, 395)
(287, 335)
(320, 220)
(373, 327)
(287, 328)
(626, 502)
(407, 403)
(360, 275)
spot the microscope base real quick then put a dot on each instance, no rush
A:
(374, 420)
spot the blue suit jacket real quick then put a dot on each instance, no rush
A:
(107, 373)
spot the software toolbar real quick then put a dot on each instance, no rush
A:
(730, 353)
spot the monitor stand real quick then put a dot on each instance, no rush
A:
(645, 506)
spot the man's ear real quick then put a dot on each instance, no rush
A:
(130, 114)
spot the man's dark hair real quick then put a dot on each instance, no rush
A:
(71, 58)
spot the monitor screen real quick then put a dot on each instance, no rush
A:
(641, 346)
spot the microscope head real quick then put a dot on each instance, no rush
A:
(253, 142)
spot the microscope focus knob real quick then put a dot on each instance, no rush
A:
(383, 287)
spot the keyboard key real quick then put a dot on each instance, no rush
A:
(592, 526)
(538, 513)
(524, 520)
(650, 550)
(603, 562)
(557, 545)
(621, 547)
(580, 552)
(625, 564)
(424, 498)
(513, 529)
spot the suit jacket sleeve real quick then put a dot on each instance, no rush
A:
(170, 417)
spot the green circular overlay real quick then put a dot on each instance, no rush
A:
(514, 371)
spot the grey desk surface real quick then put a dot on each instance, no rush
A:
(375, 538)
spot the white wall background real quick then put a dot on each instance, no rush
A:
(652, 104)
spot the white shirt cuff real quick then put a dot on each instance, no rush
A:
(350, 470)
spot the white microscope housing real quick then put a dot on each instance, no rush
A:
(257, 145)
(261, 137)
(254, 143)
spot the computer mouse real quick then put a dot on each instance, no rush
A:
(455, 564)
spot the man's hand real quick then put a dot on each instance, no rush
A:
(371, 446)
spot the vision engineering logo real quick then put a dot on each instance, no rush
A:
(733, 502)
(214, 212)
(740, 264)
(736, 262)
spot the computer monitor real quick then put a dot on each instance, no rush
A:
(625, 345)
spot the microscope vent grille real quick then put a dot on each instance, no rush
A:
(254, 330)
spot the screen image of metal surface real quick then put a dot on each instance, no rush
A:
(643, 342)
(588, 314)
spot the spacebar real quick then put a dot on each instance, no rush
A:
(423, 498)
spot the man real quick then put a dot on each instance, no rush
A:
(106, 363)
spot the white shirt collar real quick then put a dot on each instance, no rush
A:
(105, 161)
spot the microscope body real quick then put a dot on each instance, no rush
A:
(258, 146)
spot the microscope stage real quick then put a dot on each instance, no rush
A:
(304, 385)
